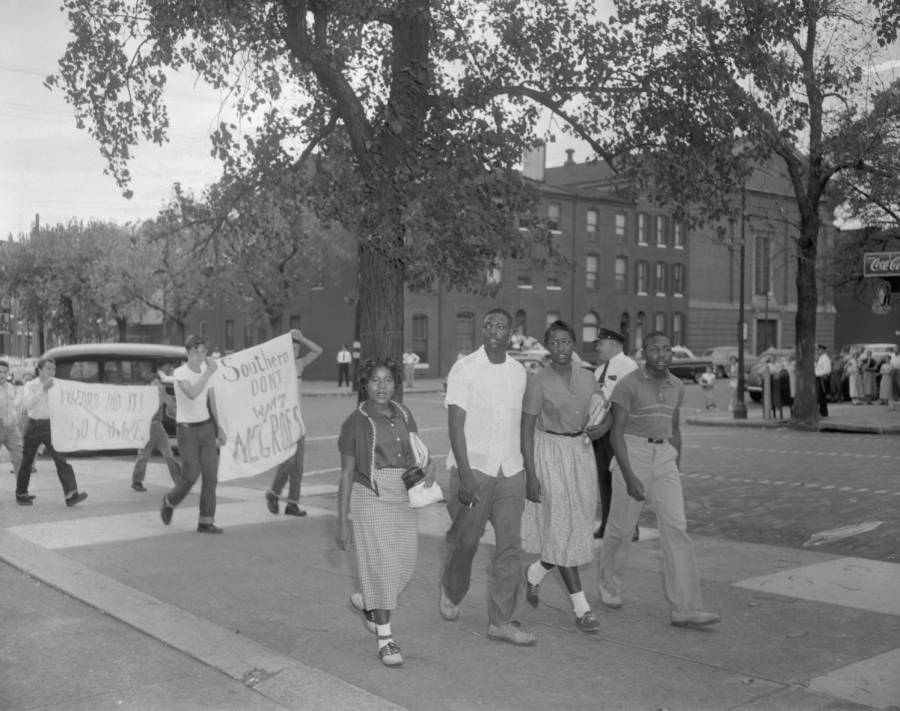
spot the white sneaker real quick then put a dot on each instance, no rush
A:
(608, 598)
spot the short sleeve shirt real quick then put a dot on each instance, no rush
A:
(188, 410)
(562, 404)
(650, 402)
(491, 396)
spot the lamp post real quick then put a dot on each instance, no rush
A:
(740, 407)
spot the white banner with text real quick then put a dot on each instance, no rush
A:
(258, 408)
(94, 416)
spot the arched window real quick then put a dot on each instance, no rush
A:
(420, 336)
(591, 264)
(639, 329)
(590, 323)
(678, 329)
(625, 328)
(465, 332)
(621, 274)
(659, 321)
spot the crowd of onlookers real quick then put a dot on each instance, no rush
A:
(860, 377)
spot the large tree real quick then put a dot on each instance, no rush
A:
(405, 118)
(727, 84)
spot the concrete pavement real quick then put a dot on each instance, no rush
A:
(107, 608)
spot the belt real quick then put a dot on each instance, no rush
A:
(194, 424)
(564, 434)
(651, 440)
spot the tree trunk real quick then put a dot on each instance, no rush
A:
(380, 306)
(122, 328)
(806, 410)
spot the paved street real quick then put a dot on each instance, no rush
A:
(156, 617)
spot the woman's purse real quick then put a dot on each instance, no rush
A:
(414, 477)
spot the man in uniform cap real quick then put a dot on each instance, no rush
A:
(614, 365)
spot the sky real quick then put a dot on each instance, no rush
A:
(51, 168)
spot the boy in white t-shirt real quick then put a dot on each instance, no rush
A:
(708, 384)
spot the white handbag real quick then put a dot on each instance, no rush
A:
(421, 495)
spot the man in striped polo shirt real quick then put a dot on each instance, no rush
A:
(646, 440)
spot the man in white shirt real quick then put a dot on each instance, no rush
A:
(487, 479)
(37, 433)
(10, 437)
(199, 435)
(343, 362)
(614, 365)
(823, 375)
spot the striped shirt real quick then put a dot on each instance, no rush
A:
(650, 402)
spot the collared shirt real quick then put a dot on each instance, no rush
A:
(491, 396)
(620, 365)
(7, 401)
(562, 404)
(35, 400)
(823, 366)
(186, 409)
(650, 402)
(343, 356)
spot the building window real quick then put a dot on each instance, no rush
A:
(678, 279)
(621, 226)
(659, 322)
(551, 272)
(523, 280)
(590, 271)
(660, 279)
(295, 321)
(640, 277)
(678, 329)
(590, 324)
(625, 328)
(621, 274)
(553, 216)
(248, 336)
(495, 273)
(552, 316)
(763, 264)
(660, 230)
(520, 323)
(465, 332)
(639, 330)
(420, 336)
(642, 228)
(678, 234)
(229, 335)
(591, 224)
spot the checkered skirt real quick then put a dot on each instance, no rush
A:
(386, 538)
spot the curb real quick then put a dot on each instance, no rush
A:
(776, 424)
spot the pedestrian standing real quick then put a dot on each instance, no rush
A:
(869, 366)
(410, 361)
(732, 381)
(10, 436)
(646, 438)
(895, 371)
(343, 363)
(158, 440)
(199, 435)
(559, 472)
(487, 481)
(37, 432)
(886, 384)
(291, 470)
(823, 379)
(614, 365)
(854, 378)
(375, 452)
(708, 386)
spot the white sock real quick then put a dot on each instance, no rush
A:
(535, 573)
(579, 603)
(384, 634)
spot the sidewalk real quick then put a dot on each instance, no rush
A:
(156, 617)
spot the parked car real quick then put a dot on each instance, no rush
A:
(533, 358)
(119, 363)
(754, 383)
(684, 365)
(721, 359)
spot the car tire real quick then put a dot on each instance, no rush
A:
(756, 397)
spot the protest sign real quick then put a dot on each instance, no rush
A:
(256, 400)
(93, 416)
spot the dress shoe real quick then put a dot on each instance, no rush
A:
(598, 534)
(165, 512)
(293, 510)
(137, 486)
(511, 633)
(449, 611)
(532, 592)
(357, 605)
(609, 598)
(25, 499)
(695, 618)
(209, 528)
(271, 502)
(390, 655)
(76, 499)
(587, 623)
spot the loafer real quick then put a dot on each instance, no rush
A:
(293, 510)
(695, 619)
(165, 512)
(511, 633)
(137, 486)
(449, 611)
(532, 592)
(609, 598)
(390, 655)
(587, 623)
(25, 499)
(209, 528)
(76, 499)
(356, 604)
(271, 502)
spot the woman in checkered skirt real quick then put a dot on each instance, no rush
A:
(375, 452)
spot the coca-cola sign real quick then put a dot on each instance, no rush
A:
(881, 264)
